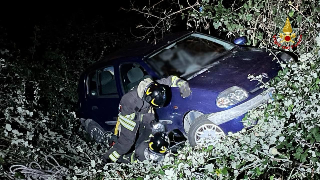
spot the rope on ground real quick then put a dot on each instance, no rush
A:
(34, 170)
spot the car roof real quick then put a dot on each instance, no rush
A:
(139, 49)
(144, 48)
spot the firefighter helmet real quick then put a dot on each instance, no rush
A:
(159, 143)
(158, 146)
(155, 94)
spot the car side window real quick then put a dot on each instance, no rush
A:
(107, 82)
(92, 84)
(131, 75)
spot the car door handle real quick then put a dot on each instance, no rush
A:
(94, 107)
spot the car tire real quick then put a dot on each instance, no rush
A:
(205, 128)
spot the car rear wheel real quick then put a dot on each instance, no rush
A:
(204, 133)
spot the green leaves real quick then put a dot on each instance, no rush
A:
(2, 161)
(304, 156)
(216, 25)
(245, 6)
(224, 171)
(298, 153)
(161, 172)
(299, 19)
(280, 96)
(291, 13)
(301, 155)
(297, 133)
(257, 171)
(19, 175)
(314, 135)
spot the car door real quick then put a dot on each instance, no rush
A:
(103, 99)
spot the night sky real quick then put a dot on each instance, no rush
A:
(19, 20)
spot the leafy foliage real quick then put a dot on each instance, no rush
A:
(38, 99)
(259, 20)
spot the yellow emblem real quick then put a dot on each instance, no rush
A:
(152, 102)
(163, 149)
(150, 145)
(287, 30)
(148, 91)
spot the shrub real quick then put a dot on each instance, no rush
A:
(284, 143)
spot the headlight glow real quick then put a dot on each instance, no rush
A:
(231, 96)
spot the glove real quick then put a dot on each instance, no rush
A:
(184, 88)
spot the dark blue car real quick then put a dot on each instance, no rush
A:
(217, 72)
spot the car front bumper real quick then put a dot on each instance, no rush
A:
(232, 113)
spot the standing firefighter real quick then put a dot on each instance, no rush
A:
(136, 117)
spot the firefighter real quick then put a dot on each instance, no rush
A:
(136, 117)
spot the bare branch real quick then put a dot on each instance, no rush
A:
(159, 20)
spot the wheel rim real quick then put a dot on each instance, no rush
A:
(208, 134)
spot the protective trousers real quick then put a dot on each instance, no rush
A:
(135, 131)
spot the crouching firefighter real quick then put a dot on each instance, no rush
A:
(136, 118)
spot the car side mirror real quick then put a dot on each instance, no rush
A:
(240, 40)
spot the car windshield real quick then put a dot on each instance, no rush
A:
(188, 56)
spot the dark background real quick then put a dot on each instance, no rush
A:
(18, 20)
(53, 42)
